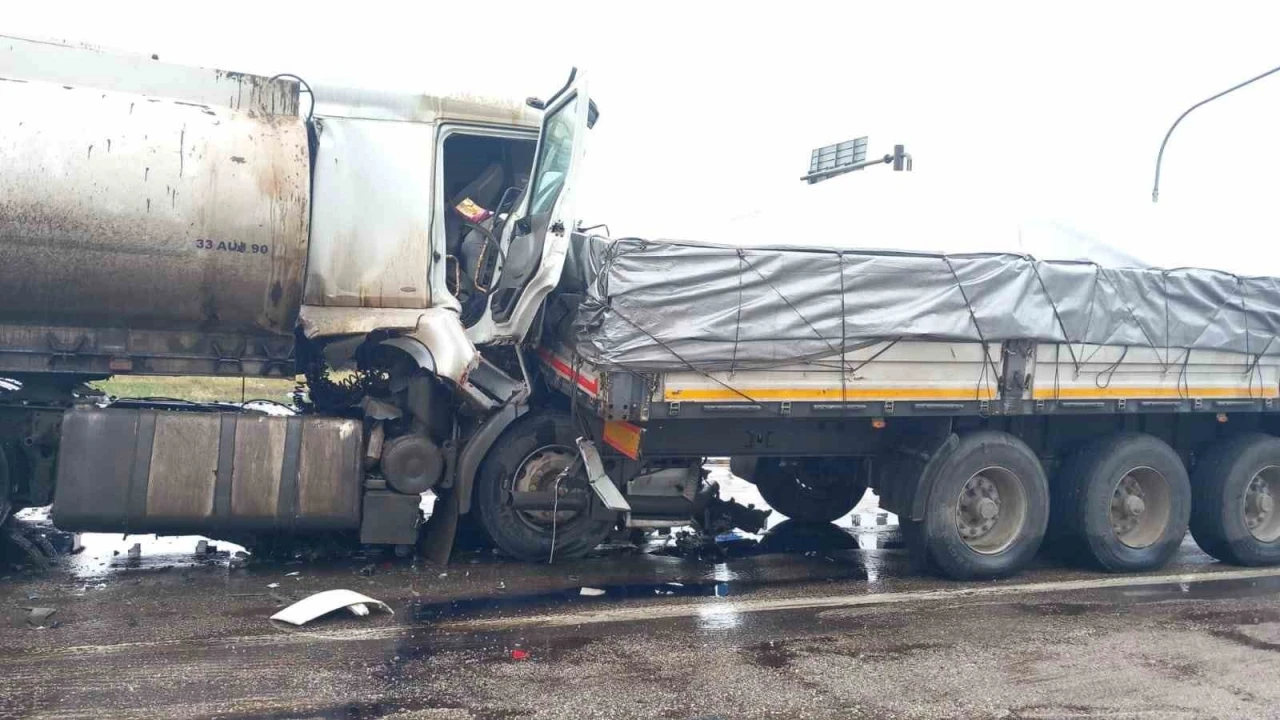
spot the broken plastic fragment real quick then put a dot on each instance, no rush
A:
(323, 603)
(37, 615)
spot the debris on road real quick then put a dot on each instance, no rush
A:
(135, 552)
(323, 603)
(273, 586)
(519, 654)
(38, 615)
(591, 592)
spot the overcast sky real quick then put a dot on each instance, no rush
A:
(1034, 126)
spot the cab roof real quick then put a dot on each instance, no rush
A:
(422, 108)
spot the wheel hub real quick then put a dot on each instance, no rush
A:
(1140, 507)
(991, 510)
(1127, 506)
(1260, 516)
(979, 507)
(1134, 506)
(544, 470)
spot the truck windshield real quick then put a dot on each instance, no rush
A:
(553, 158)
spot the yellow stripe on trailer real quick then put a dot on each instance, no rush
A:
(827, 394)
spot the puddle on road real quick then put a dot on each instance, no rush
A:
(106, 554)
(468, 607)
(102, 554)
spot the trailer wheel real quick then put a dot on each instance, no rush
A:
(1123, 501)
(529, 457)
(986, 509)
(1235, 506)
(811, 491)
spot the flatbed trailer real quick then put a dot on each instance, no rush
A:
(980, 447)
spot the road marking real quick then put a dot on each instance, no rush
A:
(709, 609)
(738, 607)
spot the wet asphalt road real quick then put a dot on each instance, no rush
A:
(823, 631)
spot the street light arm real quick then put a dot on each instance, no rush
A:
(1155, 189)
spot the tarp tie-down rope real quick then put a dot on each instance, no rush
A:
(1132, 316)
(973, 316)
(1066, 338)
(743, 257)
(690, 365)
(737, 322)
(844, 344)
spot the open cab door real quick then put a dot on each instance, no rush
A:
(535, 238)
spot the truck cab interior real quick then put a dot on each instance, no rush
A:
(483, 177)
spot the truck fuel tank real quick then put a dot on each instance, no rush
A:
(165, 471)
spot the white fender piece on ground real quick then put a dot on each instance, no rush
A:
(323, 603)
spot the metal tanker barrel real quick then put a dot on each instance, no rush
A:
(184, 215)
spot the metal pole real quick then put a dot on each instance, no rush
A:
(811, 178)
(1155, 189)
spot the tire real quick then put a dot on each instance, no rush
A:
(1220, 485)
(524, 535)
(1090, 515)
(997, 459)
(809, 499)
(5, 490)
(913, 538)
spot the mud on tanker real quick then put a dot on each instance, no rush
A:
(419, 260)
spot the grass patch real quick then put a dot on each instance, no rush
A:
(198, 389)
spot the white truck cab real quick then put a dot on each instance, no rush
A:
(444, 218)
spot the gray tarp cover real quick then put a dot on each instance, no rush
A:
(645, 306)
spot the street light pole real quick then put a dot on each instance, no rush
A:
(1155, 189)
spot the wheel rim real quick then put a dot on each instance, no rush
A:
(1261, 516)
(538, 473)
(991, 510)
(1140, 507)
